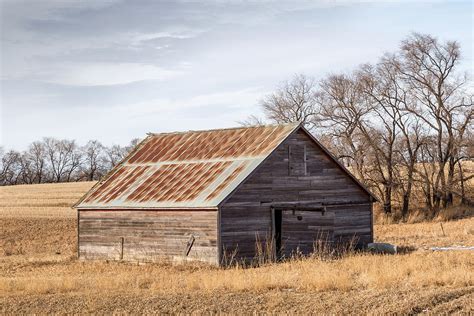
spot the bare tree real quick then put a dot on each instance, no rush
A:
(252, 120)
(342, 111)
(64, 158)
(347, 114)
(464, 151)
(26, 169)
(293, 101)
(93, 164)
(3, 166)
(75, 154)
(428, 67)
(53, 160)
(10, 168)
(36, 156)
(384, 87)
(114, 154)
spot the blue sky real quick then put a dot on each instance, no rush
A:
(114, 70)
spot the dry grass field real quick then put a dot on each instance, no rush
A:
(39, 272)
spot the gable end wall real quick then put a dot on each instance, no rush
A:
(284, 177)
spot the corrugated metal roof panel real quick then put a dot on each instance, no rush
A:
(196, 169)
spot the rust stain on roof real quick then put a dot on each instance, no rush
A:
(186, 169)
(226, 181)
(205, 145)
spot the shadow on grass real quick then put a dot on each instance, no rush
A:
(405, 249)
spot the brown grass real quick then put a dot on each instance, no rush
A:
(39, 273)
(422, 236)
(308, 275)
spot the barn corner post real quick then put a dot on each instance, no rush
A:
(273, 235)
(372, 222)
(122, 240)
(219, 242)
(78, 235)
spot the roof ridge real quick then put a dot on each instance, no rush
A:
(225, 129)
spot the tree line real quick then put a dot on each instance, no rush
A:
(59, 160)
(401, 124)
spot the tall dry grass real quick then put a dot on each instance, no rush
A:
(361, 271)
(420, 215)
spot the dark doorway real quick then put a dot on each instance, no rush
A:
(301, 230)
(277, 232)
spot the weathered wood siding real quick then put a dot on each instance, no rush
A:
(241, 227)
(297, 171)
(301, 229)
(150, 235)
(353, 223)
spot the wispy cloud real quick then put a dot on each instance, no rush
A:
(209, 104)
(95, 74)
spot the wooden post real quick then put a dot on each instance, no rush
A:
(371, 222)
(189, 245)
(273, 234)
(121, 248)
(78, 232)
(442, 229)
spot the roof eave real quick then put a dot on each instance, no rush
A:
(110, 173)
(124, 208)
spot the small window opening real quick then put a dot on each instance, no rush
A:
(297, 160)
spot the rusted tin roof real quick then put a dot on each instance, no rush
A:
(195, 169)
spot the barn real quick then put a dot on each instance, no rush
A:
(202, 195)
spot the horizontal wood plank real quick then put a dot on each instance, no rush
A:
(148, 235)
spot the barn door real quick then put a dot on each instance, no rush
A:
(301, 230)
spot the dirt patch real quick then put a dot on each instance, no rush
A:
(431, 300)
(30, 236)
